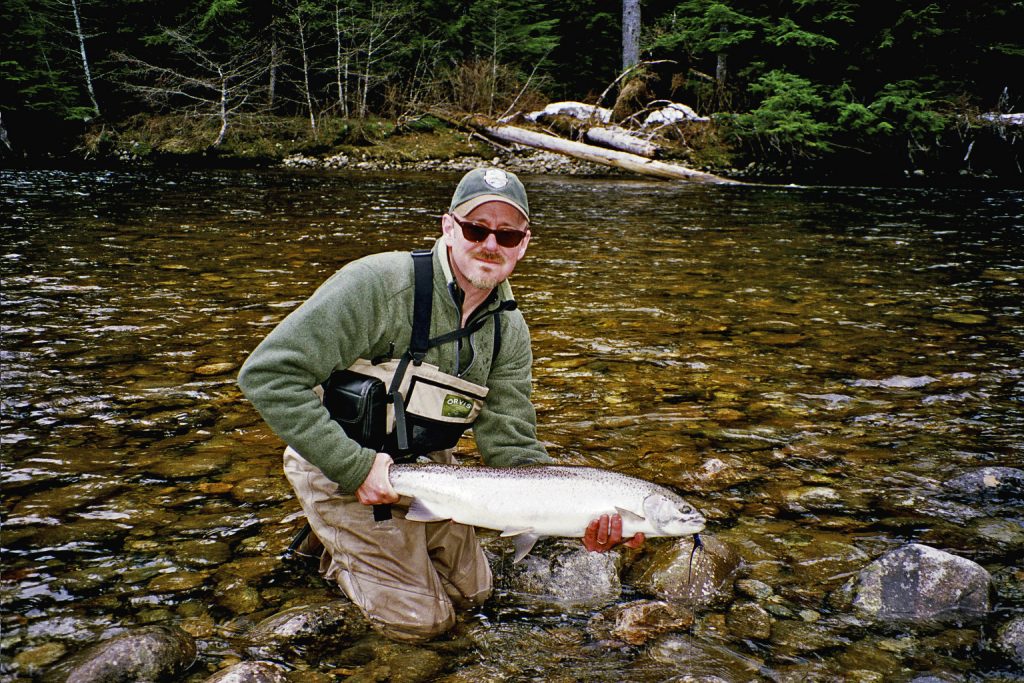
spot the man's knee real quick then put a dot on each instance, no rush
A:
(411, 629)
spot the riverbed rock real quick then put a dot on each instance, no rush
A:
(394, 662)
(150, 653)
(674, 571)
(561, 573)
(639, 621)
(989, 483)
(920, 584)
(249, 672)
(749, 620)
(307, 630)
(1010, 640)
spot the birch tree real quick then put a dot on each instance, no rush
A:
(80, 34)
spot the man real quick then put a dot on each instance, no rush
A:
(407, 577)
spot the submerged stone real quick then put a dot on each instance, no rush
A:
(150, 653)
(561, 573)
(35, 659)
(989, 483)
(749, 620)
(639, 621)
(1010, 640)
(250, 672)
(215, 369)
(308, 629)
(674, 571)
(917, 583)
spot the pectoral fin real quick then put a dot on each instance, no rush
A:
(524, 544)
(515, 532)
(419, 512)
(629, 516)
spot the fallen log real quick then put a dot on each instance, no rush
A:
(599, 155)
(622, 140)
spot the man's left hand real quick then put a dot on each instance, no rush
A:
(605, 533)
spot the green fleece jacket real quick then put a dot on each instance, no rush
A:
(365, 311)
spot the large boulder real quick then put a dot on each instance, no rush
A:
(678, 572)
(150, 653)
(920, 584)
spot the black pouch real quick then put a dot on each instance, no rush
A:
(359, 404)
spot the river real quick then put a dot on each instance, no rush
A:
(806, 365)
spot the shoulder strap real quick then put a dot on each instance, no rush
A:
(423, 303)
(422, 308)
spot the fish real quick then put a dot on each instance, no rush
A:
(528, 503)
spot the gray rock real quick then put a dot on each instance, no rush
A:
(1010, 640)
(987, 483)
(562, 573)
(673, 571)
(917, 583)
(250, 672)
(145, 654)
(307, 629)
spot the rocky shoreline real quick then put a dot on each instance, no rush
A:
(527, 162)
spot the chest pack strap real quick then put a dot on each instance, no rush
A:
(420, 342)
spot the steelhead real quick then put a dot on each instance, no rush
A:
(545, 500)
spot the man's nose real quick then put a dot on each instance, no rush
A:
(491, 243)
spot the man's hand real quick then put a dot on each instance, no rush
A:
(376, 488)
(605, 533)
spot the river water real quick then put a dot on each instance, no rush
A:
(807, 365)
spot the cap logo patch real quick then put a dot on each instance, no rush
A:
(495, 178)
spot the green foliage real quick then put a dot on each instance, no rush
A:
(805, 78)
(790, 118)
(906, 109)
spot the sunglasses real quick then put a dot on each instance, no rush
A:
(474, 232)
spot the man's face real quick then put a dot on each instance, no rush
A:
(484, 265)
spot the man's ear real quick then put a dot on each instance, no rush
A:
(522, 245)
(446, 229)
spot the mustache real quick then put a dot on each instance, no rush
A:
(490, 257)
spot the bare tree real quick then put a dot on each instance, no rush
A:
(204, 85)
(85, 57)
(300, 14)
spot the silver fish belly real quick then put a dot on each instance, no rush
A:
(544, 500)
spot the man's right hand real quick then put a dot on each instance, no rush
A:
(376, 488)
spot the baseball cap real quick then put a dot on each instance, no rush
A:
(489, 185)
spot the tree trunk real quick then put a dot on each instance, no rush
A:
(305, 67)
(598, 155)
(621, 139)
(223, 108)
(630, 33)
(272, 85)
(722, 68)
(85, 59)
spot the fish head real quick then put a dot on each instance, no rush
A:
(672, 516)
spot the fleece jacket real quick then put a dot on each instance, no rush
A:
(365, 311)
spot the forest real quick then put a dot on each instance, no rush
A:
(805, 84)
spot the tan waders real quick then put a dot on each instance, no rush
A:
(406, 577)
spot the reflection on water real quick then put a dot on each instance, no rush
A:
(809, 365)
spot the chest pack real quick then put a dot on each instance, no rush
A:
(406, 407)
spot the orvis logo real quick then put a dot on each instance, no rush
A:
(456, 406)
